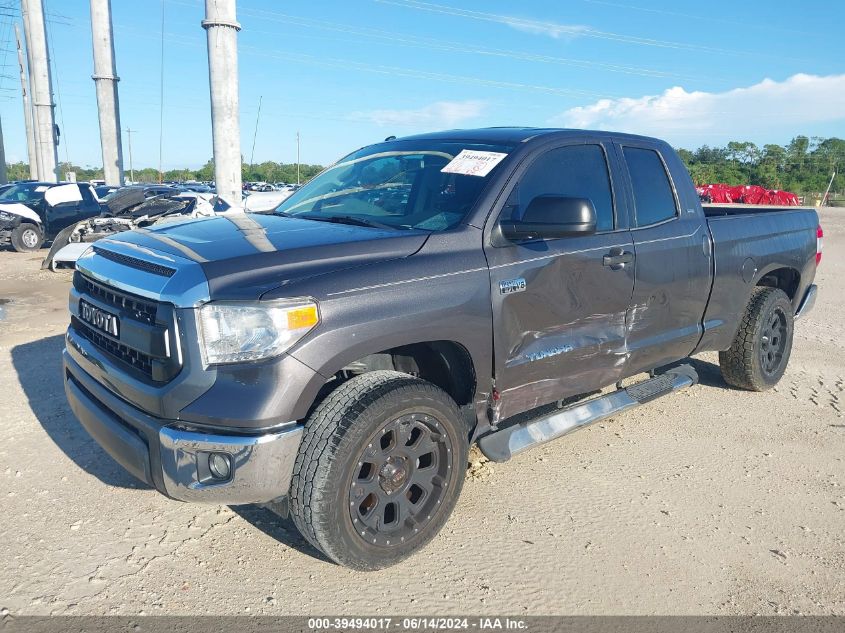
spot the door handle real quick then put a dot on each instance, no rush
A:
(617, 258)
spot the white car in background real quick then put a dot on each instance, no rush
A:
(265, 201)
(130, 208)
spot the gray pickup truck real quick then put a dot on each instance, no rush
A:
(335, 359)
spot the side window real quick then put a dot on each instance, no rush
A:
(87, 198)
(578, 171)
(653, 197)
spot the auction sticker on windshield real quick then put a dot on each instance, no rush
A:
(473, 163)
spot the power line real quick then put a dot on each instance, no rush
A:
(59, 100)
(435, 44)
(552, 28)
(750, 23)
(6, 50)
(396, 71)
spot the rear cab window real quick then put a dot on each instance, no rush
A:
(654, 199)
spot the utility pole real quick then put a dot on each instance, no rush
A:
(829, 185)
(27, 110)
(297, 158)
(129, 143)
(29, 66)
(222, 28)
(255, 134)
(4, 178)
(105, 79)
(42, 90)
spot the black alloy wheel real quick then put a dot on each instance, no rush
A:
(773, 342)
(401, 478)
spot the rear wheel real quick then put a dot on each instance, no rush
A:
(379, 470)
(27, 238)
(760, 352)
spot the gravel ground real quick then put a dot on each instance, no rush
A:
(710, 501)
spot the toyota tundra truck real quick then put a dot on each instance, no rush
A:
(336, 358)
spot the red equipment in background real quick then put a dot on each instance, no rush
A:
(745, 194)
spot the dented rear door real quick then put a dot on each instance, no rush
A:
(558, 308)
(673, 256)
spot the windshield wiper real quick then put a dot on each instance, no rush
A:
(347, 219)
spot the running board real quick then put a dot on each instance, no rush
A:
(501, 445)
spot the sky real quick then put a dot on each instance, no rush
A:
(347, 73)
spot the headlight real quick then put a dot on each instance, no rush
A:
(238, 332)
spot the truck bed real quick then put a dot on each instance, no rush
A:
(748, 240)
(712, 210)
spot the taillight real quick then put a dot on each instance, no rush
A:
(819, 240)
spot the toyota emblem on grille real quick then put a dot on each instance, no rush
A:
(100, 319)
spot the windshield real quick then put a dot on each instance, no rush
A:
(26, 192)
(389, 186)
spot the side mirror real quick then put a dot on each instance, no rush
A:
(549, 217)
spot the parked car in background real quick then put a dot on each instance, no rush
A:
(196, 187)
(265, 201)
(129, 208)
(33, 212)
(104, 191)
(259, 186)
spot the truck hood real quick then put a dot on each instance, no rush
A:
(244, 255)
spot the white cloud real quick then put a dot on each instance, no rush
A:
(680, 116)
(441, 114)
(551, 29)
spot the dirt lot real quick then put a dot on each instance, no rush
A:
(711, 501)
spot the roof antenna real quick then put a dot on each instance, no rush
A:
(392, 137)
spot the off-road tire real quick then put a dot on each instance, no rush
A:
(744, 365)
(27, 238)
(337, 435)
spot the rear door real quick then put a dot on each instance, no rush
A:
(90, 205)
(61, 206)
(672, 260)
(69, 204)
(558, 309)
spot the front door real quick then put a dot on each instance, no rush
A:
(559, 305)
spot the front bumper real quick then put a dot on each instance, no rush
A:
(173, 459)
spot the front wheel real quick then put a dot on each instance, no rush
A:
(760, 351)
(379, 469)
(27, 238)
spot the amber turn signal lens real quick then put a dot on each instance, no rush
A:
(303, 317)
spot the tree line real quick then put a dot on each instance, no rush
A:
(267, 171)
(803, 166)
